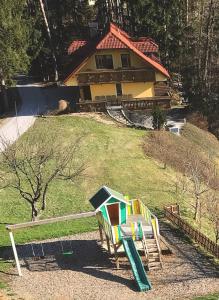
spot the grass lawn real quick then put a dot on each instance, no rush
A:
(208, 297)
(114, 157)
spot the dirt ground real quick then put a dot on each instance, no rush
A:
(91, 274)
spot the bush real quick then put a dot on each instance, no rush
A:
(159, 118)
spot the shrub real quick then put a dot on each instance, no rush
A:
(159, 118)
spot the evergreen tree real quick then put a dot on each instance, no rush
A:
(14, 42)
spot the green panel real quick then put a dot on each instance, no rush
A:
(113, 200)
(123, 212)
(136, 264)
(104, 212)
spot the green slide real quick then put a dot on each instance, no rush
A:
(136, 264)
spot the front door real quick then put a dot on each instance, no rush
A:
(113, 212)
(85, 92)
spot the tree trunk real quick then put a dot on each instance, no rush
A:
(34, 212)
(50, 40)
(4, 95)
(197, 209)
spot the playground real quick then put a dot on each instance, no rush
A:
(123, 258)
(92, 274)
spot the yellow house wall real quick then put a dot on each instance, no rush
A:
(102, 90)
(72, 81)
(160, 77)
(138, 89)
(136, 61)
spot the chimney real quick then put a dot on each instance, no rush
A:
(93, 29)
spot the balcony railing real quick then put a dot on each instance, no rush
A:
(132, 104)
(138, 75)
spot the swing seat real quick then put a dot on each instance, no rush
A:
(66, 253)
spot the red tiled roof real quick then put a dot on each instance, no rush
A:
(145, 46)
(111, 42)
(153, 63)
(75, 45)
(119, 39)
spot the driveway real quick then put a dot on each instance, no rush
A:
(33, 103)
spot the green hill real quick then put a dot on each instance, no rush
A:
(114, 157)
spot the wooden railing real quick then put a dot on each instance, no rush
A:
(114, 76)
(172, 214)
(161, 89)
(106, 227)
(134, 104)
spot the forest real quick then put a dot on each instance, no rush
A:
(34, 37)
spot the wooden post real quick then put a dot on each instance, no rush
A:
(101, 233)
(108, 244)
(81, 93)
(15, 253)
(116, 256)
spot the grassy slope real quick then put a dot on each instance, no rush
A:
(114, 157)
(208, 297)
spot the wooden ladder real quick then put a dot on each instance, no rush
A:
(152, 251)
(153, 255)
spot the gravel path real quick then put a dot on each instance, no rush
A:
(91, 274)
(33, 102)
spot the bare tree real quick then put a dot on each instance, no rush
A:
(200, 177)
(212, 209)
(32, 163)
(158, 145)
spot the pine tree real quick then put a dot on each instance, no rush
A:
(14, 42)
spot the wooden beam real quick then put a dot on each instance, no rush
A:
(51, 220)
(108, 244)
(15, 253)
(101, 233)
(116, 256)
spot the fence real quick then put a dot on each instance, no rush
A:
(147, 103)
(172, 214)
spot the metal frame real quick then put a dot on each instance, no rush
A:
(10, 228)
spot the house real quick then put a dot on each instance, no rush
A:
(114, 67)
(111, 204)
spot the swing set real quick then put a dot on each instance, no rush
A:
(66, 251)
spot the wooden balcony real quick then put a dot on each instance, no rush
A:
(131, 104)
(113, 76)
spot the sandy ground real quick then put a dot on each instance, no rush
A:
(99, 117)
(90, 273)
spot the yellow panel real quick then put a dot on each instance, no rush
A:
(153, 223)
(102, 90)
(138, 89)
(133, 230)
(115, 228)
(160, 77)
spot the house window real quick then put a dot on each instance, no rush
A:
(118, 89)
(104, 61)
(125, 59)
